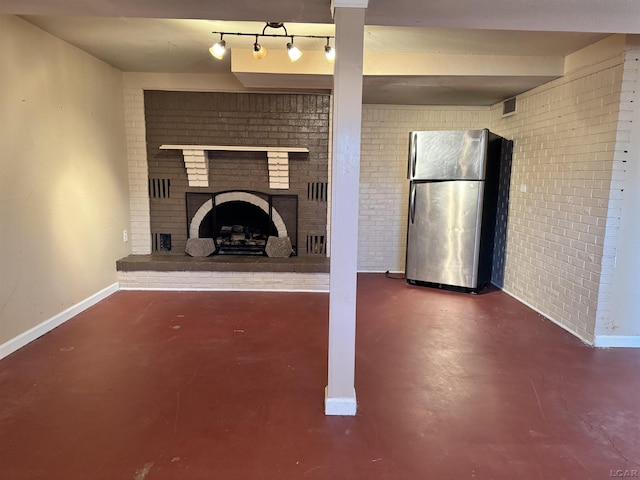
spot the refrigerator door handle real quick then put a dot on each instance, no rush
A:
(412, 203)
(414, 154)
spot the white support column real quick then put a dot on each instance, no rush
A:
(340, 395)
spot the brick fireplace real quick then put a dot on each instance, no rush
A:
(252, 124)
(201, 143)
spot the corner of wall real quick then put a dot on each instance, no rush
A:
(138, 169)
(32, 334)
(605, 49)
(565, 182)
(617, 318)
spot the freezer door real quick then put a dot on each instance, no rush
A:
(443, 237)
(448, 155)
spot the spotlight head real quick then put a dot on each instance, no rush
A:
(330, 53)
(218, 49)
(293, 52)
(259, 52)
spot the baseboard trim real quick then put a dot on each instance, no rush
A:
(381, 271)
(545, 315)
(30, 335)
(230, 289)
(617, 341)
(344, 406)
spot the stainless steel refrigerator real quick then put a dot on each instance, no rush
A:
(452, 208)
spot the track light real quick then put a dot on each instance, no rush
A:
(293, 52)
(259, 52)
(329, 52)
(218, 49)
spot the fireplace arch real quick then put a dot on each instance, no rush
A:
(236, 196)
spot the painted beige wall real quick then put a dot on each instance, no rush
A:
(63, 176)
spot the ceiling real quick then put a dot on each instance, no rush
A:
(464, 52)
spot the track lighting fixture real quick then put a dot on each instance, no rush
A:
(259, 52)
(329, 52)
(293, 51)
(218, 49)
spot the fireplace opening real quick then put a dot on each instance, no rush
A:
(238, 228)
(241, 222)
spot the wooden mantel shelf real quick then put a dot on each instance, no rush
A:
(195, 161)
(234, 148)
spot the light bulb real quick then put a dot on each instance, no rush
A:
(218, 49)
(293, 52)
(330, 53)
(259, 52)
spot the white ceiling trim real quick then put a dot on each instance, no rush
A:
(349, 4)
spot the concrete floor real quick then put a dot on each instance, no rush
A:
(186, 385)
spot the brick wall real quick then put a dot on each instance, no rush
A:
(622, 179)
(225, 281)
(138, 172)
(384, 188)
(564, 137)
(239, 119)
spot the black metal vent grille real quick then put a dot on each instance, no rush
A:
(159, 188)
(316, 245)
(318, 191)
(161, 242)
(509, 106)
